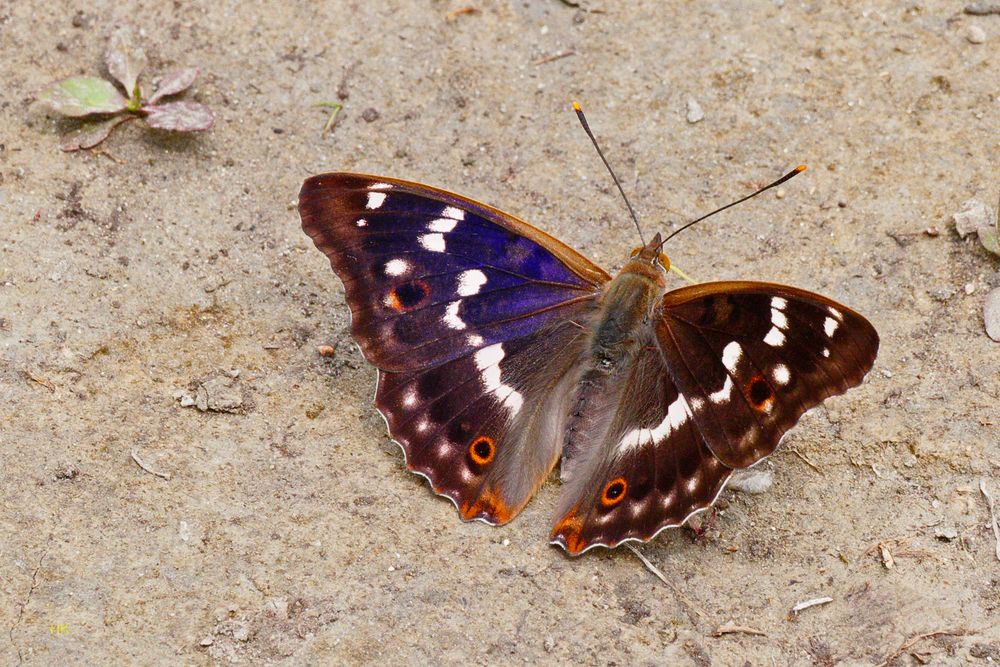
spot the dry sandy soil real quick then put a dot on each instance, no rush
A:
(288, 530)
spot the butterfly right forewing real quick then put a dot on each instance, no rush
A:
(751, 358)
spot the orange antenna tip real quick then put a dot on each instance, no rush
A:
(800, 168)
(576, 106)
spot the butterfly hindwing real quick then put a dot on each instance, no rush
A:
(469, 314)
(645, 469)
(751, 358)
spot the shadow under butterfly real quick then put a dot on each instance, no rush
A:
(501, 350)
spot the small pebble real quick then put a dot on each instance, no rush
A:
(991, 314)
(370, 115)
(326, 350)
(506, 542)
(694, 112)
(187, 401)
(975, 34)
(946, 534)
(207, 641)
(970, 288)
(780, 194)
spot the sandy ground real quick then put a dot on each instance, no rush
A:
(289, 531)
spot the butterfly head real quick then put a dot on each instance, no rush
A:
(651, 253)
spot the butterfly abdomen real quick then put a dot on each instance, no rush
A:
(626, 308)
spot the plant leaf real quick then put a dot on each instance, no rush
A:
(82, 96)
(990, 238)
(92, 133)
(126, 60)
(175, 82)
(180, 116)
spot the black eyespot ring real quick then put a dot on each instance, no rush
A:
(482, 450)
(614, 492)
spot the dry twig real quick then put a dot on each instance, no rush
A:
(993, 516)
(807, 461)
(554, 57)
(139, 462)
(729, 629)
(685, 603)
(913, 640)
(39, 380)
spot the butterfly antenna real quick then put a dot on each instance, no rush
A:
(794, 172)
(586, 128)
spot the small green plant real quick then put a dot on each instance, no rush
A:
(103, 107)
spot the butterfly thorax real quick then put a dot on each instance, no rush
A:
(626, 306)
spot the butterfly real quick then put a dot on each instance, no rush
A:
(501, 352)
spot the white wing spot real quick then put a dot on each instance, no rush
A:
(722, 396)
(830, 326)
(677, 413)
(375, 199)
(451, 317)
(361, 222)
(826, 352)
(836, 313)
(470, 281)
(410, 399)
(475, 340)
(432, 242)
(778, 319)
(731, 355)
(489, 356)
(442, 225)
(779, 303)
(423, 425)
(488, 361)
(692, 484)
(396, 267)
(452, 212)
(781, 374)
(380, 186)
(774, 337)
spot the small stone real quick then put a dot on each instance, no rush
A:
(370, 115)
(946, 533)
(973, 217)
(780, 193)
(184, 530)
(506, 542)
(942, 294)
(549, 644)
(991, 314)
(326, 350)
(187, 401)
(242, 632)
(66, 471)
(975, 34)
(694, 112)
(970, 288)
(392, 568)
(207, 641)
(753, 481)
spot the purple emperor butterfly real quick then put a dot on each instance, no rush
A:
(501, 350)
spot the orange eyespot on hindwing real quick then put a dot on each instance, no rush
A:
(614, 492)
(482, 450)
(408, 296)
(760, 393)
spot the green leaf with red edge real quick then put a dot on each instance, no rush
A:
(126, 60)
(181, 116)
(83, 95)
(174, 82)
(92, 133)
